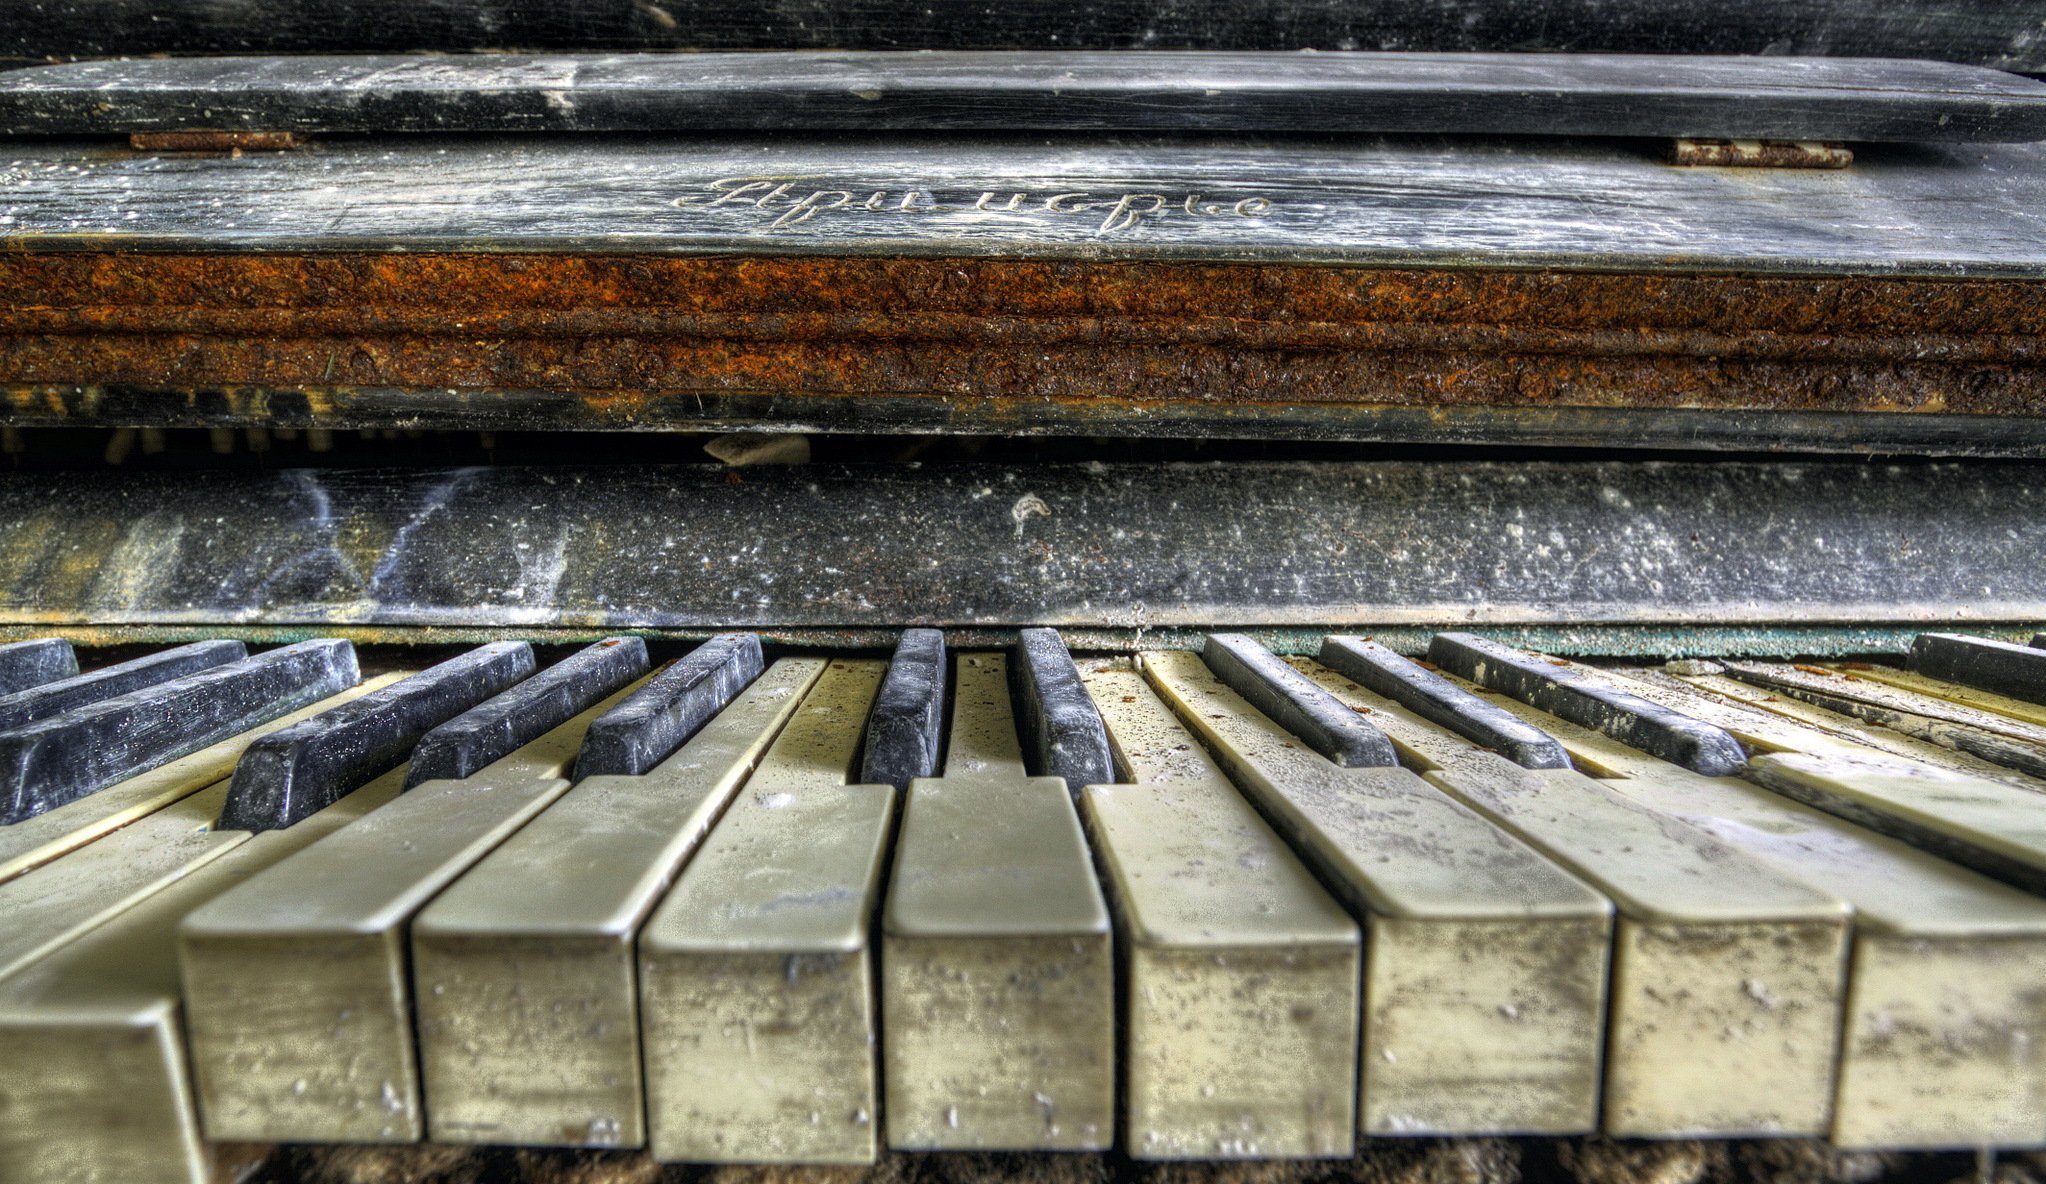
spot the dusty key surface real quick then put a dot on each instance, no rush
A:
(523, 969)
(44, 765)
(291, 774)
(1943, 1043)
(641, 732)
(1278, 692)
(1484, 995)
(297, 1001)
(905, 730)
(1952, 692)
(65, 694)
(1728, 977)
(97, 1086)
(1241, 988)
(25, 664)
(59, 901)
(1061, 731)
(997, 972)
(1440, 701)
(1995, 828)
(2001, 666)
(757, 1007)
(1578, 695)
(1999, 739)
(38, 840)
(497, 727)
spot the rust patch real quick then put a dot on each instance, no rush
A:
(639, 340)
(231, 142)
(1760, 154)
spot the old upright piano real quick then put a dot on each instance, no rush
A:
(614, 590)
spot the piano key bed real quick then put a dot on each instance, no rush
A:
(1358, 912)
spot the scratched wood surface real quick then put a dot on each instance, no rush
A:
(1850, 99)
(1141, 547)
(1909, 210)
(2002, 33)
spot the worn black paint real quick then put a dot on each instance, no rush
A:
(1581, 205)
(905, 730)
(1440, 701)
(2003, 33)
(55, 698)
(1114, 546)
(26, 664)
(1056, 720)
(1491, 94)
(1291, 700)
(661, 716)
(1999, 666)
(1563, 690)
(46, 764)
(495, 728)
(293, 773)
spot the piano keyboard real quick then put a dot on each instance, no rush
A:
(1187, 905)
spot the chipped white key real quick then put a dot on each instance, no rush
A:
(1241, 971)
(997, 972)
(523, 969)
(1728, 976)
(1484, 995)
(756, 1000)
(96, 1086)
(298, 1002)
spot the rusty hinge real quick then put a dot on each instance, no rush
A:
(233, 143)
(1760, 154)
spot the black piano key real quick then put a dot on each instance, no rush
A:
(25, 664)
(1056, 719)
(1293, 702)
(494, 729)
(657, 719)
(310, 765)
(1441, 701)
(1562, 690)
(58, 760)
(2000, 666)
(69, 694)
(906, 726)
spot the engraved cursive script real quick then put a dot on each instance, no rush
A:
(781, 203)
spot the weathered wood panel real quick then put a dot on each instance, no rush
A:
(2002, 33)
(1854, 99)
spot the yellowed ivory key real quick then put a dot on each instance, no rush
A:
(998, 991)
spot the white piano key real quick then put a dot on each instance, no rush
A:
(1728, 977)
(1241, 972)
(756, 997)
(64, 899)
(97, 1086)
(1484, 993)
(523, 969)
(997, 972)
(298, 1003)
(1944, 1043)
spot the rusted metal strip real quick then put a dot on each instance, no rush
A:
(555, 341)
